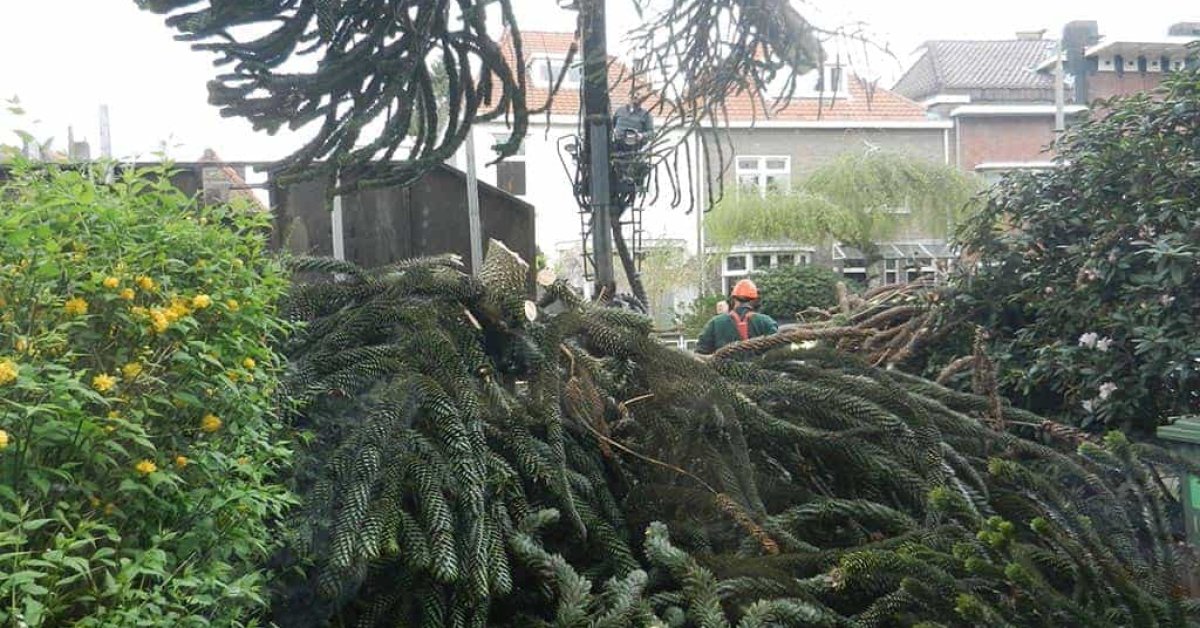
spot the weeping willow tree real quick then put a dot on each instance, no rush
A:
(858, 199)
(363, 74)
(478, 460)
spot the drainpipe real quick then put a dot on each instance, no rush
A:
(1059, 118)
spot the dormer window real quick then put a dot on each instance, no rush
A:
(544, 71)
(828, 82)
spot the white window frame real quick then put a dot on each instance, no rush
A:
(499, 138)
(540, 63)
(802, 257)
(760, 172)
(806, 84)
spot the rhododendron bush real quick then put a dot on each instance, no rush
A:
(1089, 273)
(138, 446)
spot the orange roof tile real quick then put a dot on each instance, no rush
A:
(866, 103)
(568, 99)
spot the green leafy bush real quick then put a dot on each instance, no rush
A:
(786, 290)
(1090, 280)
(138, 439)
(696, 314)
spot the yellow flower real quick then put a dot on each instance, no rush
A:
(131, 370)
(8, 372)
(76, 306)
(21, 344)
(181, 462)
(126, 294)
(145, 283)
(138, 310)
(159, 320)
(3, 439)
(232, 375)
(104, 382)
(111, 282)
(210, 423)
(146, 467)
(201, 301)
(243, 460)
(233, 305)
(249, 363)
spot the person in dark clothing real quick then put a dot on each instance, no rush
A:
(741, 323)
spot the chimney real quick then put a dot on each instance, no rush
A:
(1184, 29)
(1077, 36)
(1031, 35)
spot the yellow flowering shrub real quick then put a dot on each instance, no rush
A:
(120, 434)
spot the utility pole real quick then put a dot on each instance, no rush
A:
(473, 205)
(597, 135)
(105, 134)
(1060, 123)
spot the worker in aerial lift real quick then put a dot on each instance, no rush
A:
(632, 126)
(742, 322)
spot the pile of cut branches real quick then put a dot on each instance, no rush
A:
(885, 326)
(480, 460)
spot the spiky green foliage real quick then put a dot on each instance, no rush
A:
(470, 468)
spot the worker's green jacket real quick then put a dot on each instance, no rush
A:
(722, 330)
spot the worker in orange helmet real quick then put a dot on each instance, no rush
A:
(740, 323)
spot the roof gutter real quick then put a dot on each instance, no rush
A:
(1013, 110)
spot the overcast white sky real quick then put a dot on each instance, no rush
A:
(66, 57)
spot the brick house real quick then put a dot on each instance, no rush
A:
(832, 112)
(1000, 105)
(1104, 67)
(999, 94)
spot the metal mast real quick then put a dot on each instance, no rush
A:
(597, 136)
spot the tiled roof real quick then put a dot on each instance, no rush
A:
(975, 64)
(865, 103)
(557, 44)
(237, 185)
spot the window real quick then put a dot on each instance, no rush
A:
(545, 71)
(763, 175)
(739, 265)
(510, 173)
(826, 83)
(891, 271)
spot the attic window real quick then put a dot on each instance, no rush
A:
(828, 82)
(545, 70)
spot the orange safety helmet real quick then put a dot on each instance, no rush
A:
(745, 290)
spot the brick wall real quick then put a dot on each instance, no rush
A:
(813, 148)
(1003, 138)
(1102, 85)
